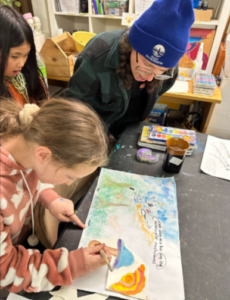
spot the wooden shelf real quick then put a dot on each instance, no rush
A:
(88, 15)
(58, 78)
(71, 14)
(106, 16)
(211, 23)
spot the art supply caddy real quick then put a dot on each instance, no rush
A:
(155, 137)
(204, 84)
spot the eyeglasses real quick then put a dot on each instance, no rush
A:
(145, 71)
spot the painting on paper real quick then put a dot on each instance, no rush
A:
(130, 275)
(198, 36)
(140, 214)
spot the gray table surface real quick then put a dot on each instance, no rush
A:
(204, 219)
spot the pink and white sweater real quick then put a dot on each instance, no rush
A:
(22, 268)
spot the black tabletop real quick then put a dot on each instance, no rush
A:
(204, 210)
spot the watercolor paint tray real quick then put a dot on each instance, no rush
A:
(162, 134)
(145, 142)
(205, 81)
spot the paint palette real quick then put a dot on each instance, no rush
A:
(162, 134)
(205, 81)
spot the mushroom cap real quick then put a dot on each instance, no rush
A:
(124, 258)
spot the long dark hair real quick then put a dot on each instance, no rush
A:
(14, 31)
(124, 72)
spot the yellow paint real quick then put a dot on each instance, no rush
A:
(161, 204)
(149, 234)
(131, 283)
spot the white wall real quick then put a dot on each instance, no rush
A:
(220, 122)
(40, 9)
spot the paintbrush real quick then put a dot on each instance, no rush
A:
(105, 258)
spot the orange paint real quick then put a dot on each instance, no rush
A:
(149, 234)
(131, 283)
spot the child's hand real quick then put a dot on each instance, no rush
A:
(63, 210)
(93, 257)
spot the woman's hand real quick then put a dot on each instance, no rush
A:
(63, 210)
(93, 257)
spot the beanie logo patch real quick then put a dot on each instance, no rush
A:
(159, 51)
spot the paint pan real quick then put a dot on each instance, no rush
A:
(174, 158)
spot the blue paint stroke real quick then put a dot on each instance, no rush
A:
(118, 146)
(124, 258)
(200, 147)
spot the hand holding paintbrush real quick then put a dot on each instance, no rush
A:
(97, 256)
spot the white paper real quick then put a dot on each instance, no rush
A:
(179, 87)
(13, 296)
(70, 6)
(148, 223)
(65, 293)
(142, 5)
(216, 158)
(117, 274)
(94, 297)
(128, 19)
(176, 161)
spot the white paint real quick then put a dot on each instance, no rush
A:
(63, 261)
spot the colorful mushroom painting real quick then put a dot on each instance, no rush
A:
(130, 274)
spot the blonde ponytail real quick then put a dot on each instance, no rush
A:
(9, 118)
(71, 130)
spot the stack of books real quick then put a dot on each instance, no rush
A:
(155, 137)
(204, 84)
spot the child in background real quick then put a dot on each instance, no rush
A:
(54, 144)
(20, 77)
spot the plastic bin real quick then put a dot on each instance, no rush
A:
(81, 38)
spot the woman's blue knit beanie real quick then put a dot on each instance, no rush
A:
(161, 34)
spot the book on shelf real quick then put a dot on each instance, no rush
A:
(95, 7)
(98, 7)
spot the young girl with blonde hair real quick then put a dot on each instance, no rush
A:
(54, 144)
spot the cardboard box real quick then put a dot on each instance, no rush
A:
(203, 15)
